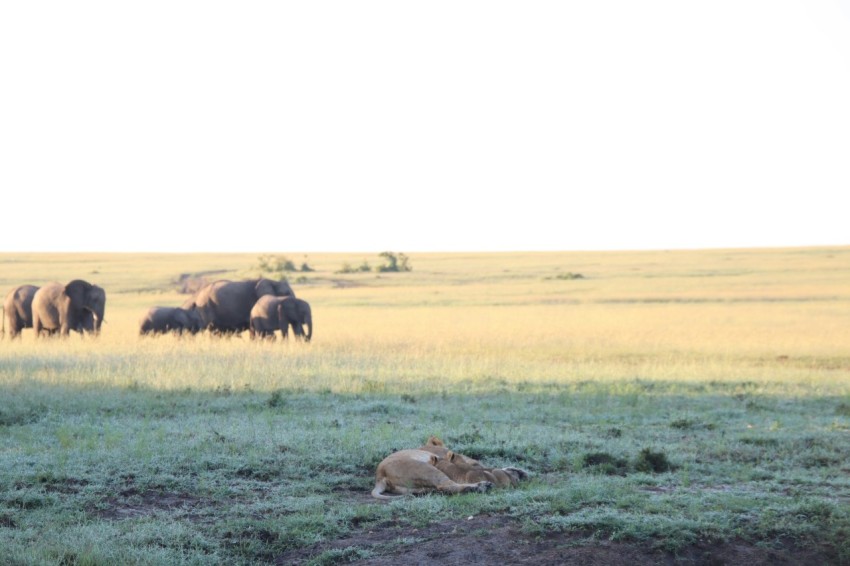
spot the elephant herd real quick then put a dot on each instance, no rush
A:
(261, 306)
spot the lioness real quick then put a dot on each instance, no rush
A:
(436, 446)
(433, 467)
(464, 465)
(413, 472)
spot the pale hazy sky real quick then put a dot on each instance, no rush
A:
(423, 126)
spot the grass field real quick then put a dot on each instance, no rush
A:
(679, 405)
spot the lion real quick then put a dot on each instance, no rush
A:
(414, 472)
(436, 446)
(459, 470)
(464, 465)
(433, 467)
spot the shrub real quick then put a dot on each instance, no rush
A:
(604, 463)
(394, 263)
(652, 462)
(569, 276)
(275, 264)
(348, 268)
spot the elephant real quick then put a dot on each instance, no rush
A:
(160, 320)
(273, 313)
(77, 306)
(225, 306)
(17, 309)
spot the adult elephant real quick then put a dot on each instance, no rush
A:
(273, 313)
(77, 306)
(17, 309)
(161, 320)
(225, 306)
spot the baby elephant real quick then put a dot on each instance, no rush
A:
(272, 313)
(161, 320)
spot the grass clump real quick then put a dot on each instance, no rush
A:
(569, 276)
(604, 463)
(652, 462)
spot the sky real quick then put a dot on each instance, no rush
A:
(276, 126)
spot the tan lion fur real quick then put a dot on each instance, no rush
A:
(436, 446)
(504, 476)
(433, 467)
(454, 466)
(413, 472)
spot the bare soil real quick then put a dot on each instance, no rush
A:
(483, 540)
(495, 540)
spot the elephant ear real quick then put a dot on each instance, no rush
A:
(284, 289)
(77, 290)
(264, 287)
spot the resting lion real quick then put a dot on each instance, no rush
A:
(464, 465)
(434, 467)
(454, 466)
(413, 472)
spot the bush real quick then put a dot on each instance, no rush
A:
(275, 264)
(394, 263)
(569, 276)
(348, 268)
(652, 462)
(604, 463)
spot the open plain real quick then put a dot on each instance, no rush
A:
(673, 407)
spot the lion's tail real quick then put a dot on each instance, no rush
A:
(380, 488)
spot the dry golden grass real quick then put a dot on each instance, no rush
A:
(473, 321)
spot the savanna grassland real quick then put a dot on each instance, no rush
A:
(672, 407)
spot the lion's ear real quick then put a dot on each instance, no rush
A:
(434, 441)
(450, 456)
(434, 460)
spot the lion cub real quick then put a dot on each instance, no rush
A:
(460, 470)
(464, 466)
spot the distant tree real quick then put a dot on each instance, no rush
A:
(394, 262)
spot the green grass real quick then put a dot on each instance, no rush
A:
(665, 422)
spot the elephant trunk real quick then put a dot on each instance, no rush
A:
(98, 320)
(282, 321)
(308, 322)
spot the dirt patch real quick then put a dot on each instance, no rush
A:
(132, 503)
(499, 540)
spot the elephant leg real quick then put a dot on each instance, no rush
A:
(64, 324)
(15, 326)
